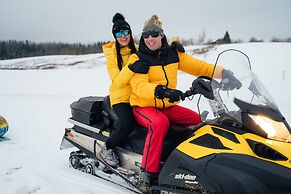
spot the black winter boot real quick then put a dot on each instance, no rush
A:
(147, 179)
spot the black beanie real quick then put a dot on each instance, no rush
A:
(119, 23)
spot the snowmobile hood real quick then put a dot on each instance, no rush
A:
(213, 140)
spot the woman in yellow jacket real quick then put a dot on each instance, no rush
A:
(154, 95)
(117, 54)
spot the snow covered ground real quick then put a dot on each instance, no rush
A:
(36, 103)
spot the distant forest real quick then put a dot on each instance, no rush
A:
(12, 49)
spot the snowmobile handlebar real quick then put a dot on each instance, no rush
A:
(201, 85)
(188, 93)
(205, 85)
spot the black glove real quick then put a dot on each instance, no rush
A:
(174, 95)
(178, 46)
(200, 86)
(139, 67)
(229, 82)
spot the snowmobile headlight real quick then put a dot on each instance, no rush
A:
(274, 129)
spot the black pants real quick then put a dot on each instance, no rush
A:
(125, 125)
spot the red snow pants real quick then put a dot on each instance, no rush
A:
(158, 121)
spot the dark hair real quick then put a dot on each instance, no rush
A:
(119, 23)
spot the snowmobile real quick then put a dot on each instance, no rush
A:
(244, 146)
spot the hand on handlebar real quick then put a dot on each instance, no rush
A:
(229, 81)
(174, 95)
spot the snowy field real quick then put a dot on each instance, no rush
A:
(36, 103)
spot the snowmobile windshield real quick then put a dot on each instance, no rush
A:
(246, 97)
(252, 90)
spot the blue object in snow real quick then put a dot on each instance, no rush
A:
(3, 126)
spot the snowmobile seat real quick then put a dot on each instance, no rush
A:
(136, 139)
(177, 134)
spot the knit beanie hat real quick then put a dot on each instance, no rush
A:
(119, 23)
(153, 24)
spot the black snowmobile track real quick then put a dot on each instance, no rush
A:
(134, 188)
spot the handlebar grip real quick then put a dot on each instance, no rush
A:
(188, 93)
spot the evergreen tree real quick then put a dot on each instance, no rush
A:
(226, 38)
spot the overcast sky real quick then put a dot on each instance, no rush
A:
(89, 21)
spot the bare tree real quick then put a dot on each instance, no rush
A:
(202, 37)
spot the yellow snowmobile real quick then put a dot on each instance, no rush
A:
(244, 146)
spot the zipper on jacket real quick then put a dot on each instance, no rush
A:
(165, 74)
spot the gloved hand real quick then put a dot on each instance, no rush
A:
(139, 67)
(178, 46)
(200, 86)
(229, 82)
(174, 95)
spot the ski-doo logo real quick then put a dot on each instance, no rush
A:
(185, 177)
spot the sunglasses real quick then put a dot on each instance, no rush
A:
(153, 34)
(119, 34)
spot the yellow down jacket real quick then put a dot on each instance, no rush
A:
(163, 70)
(117, 95)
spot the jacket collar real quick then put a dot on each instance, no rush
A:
(110, 47)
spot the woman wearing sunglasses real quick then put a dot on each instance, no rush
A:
(117, 53)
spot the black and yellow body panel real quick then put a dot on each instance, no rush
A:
(224, 173)
(217, 160)
(209, 140)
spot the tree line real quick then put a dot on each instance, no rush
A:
(226, 40)
(11, 49)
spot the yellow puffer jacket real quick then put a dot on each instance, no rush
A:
(144, 85)
(117, 95)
